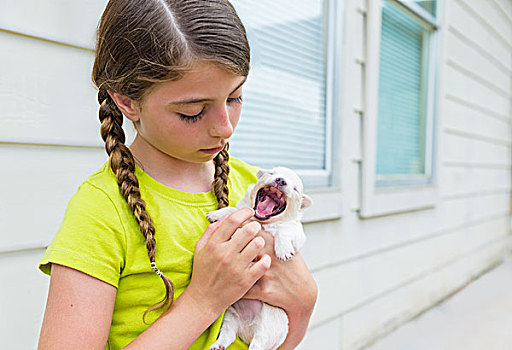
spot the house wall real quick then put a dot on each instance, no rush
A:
(373, 274)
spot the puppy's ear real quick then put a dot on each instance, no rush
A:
(306, 201)
(260, 173)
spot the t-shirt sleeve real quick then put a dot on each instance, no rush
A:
(91, 238)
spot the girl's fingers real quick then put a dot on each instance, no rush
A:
(245, 235)
(208, 233)
(252, 249)
(229, 225)
(258, 269)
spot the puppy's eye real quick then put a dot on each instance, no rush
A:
(296, 189)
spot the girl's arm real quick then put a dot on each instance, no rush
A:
(289, 285)
(78, 311)
(79, 308)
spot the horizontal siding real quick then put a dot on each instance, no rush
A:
(382, 315)
(352, 242)
(460, 116)
(489, 16)
(366, 279)
(72, 23)
(466, 87)
(462, 182)
(45, 100)
(465, 22)
(48, 100)
(462, 147)
(468, 56)
(38, 185)
(326, 337)
(22, 299)
(505, 7)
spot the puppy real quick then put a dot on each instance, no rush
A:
(277, 198)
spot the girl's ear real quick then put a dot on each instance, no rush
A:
(127, 106)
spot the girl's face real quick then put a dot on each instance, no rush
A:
(190, 119)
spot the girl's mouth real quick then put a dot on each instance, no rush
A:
(269, 202)
(212, 150)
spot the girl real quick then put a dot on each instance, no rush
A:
(175, 68)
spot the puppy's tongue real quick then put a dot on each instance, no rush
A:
(266, 206)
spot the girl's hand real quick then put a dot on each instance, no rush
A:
(223, 268)
(290, 286)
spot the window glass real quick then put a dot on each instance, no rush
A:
(283, 119)
(429, 5)
(403, 89)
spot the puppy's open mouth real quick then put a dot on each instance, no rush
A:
(269, 202)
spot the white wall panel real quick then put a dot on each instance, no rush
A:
(349, 286)
(459, 18)
(460, 147)
(326, 337)
(22, 300)
(460, 116)
(461, 84)
(489, 13)
(469, 210)
(333, 243)
(471, 58)
(70, 22)
(36, 187)
(382, 315)
(506, 7)
(467, 181)
(48, 100)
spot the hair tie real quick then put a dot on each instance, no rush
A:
(157, 271)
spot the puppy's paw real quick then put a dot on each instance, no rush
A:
(214, 216)
(284, 254)
(219, 214)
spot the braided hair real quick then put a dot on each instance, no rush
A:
(129, 61)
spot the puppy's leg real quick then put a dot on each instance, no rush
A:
(219, 214)
(228, 330)
(271, 329)
(288, 238)
(283, 247)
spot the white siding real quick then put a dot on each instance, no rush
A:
(373, 274)
(49, 142)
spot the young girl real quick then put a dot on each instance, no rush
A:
(175, 68)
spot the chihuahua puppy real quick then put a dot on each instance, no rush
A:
(277, 198)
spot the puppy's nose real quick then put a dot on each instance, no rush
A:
(280, 181)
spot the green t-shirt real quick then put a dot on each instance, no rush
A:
(100, 237)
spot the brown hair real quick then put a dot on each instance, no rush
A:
(143, 42)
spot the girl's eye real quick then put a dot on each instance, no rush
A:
(191, 118)
(236, 100)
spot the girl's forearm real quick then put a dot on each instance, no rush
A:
(178, 327)
(297, 330)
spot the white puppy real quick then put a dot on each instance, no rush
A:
(276, 198)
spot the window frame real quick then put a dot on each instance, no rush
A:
(323, 185)
(404, 193)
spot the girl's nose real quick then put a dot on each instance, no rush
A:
(222, 126)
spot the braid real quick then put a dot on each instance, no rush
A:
(122, 164)
(220, 182)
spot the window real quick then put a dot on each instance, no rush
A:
(399, 133)
(285, 119)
